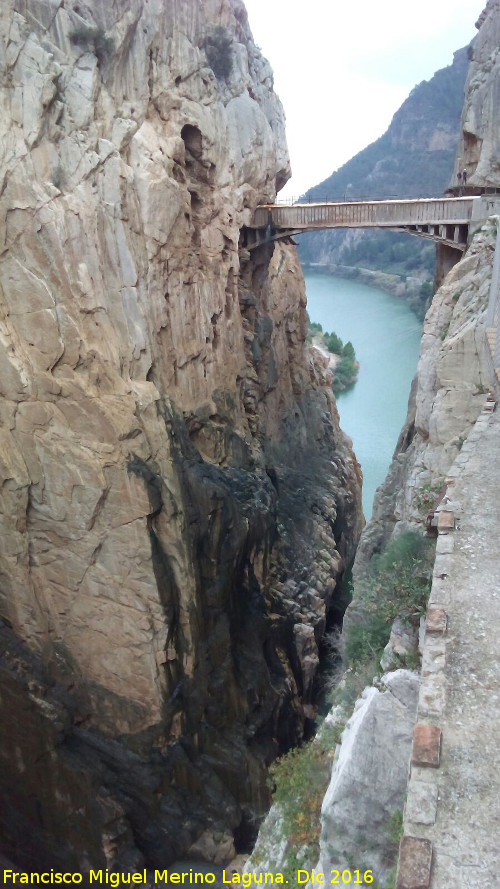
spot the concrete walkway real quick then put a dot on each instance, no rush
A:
(453, 804)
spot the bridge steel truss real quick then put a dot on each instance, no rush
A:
(445, 220)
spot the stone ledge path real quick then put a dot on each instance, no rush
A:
(452, 813)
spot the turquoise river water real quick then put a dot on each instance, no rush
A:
(386, 336)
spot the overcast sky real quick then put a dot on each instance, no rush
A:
(343, 67)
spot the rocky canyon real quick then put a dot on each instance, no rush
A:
(177, 501)
(369, 805)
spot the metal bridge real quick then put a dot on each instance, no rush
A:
(445, 219)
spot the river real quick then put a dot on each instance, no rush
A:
(386, 336)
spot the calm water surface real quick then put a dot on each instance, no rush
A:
(386, 337)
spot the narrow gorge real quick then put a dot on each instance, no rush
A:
(179, 507)
(412, 827)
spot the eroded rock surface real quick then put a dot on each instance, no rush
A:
(369, 777)
(177, 500)
(479, 147)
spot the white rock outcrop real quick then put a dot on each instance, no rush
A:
(369, 778)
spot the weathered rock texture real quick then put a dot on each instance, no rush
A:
(479, 146)
(369, 777)
(177, 500)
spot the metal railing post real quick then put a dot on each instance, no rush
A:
(495, 285)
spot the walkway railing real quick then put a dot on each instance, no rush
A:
(493, 320)
(351, 195)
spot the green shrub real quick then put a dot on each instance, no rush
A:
(104, 47)
(355, 679)
(94, 38)
(219, 51)
(427, 495)
(83, 35)
(366, 638)
(299, 781)
(333, 343)
(394, 830)
(346, 369)
(397, 584)
(348, 351)
(401, 577)
(58, 177)
(313, 327)
(426, 289)
(393, 834)
(345, 373)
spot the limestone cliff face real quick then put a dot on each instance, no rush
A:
(479, 146)
(177, 500)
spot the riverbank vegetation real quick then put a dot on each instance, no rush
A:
(346, 367)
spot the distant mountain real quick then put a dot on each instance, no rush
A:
(414, 158)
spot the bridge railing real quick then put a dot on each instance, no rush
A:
(350, 194)
(343, 197)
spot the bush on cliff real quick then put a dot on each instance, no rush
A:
(397, 584)
(219, 50)
(345, 373)
(333, 343)
(93, 38)
(313, 328)
(346, 368)
(299, 781)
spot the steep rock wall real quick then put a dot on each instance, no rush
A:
(360, 809)
(479, 146)
(178, 501)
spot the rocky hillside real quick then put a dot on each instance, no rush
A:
(177, 500)
(447, 395)
(414, 158)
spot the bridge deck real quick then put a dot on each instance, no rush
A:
(366, 214)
